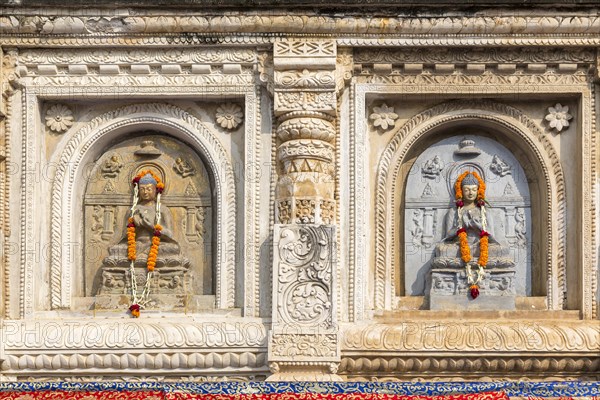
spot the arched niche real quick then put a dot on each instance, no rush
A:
(188, 200)
(79, 155)
(429, 198)
(533, 151)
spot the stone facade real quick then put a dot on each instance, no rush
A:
(306, 193)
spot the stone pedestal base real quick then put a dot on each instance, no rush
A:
(165, 279)
(161, 302)
(450, 290)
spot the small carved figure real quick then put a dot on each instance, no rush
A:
(520, 230)
(432, 168)
(499, 166)
(183, 168)
(111, 167)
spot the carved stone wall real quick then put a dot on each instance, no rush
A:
(308, 124)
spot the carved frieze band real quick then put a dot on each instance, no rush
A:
(474, 336)
(442, 368)
(138, 56)
(525, 55)
(153, 345)
(583, 26)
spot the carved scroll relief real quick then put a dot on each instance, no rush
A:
(304, 295)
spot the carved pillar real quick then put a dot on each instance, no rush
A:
(7, 79)
(303, 341)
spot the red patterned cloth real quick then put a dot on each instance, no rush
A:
(160, 395)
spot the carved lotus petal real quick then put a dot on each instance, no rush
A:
(59, 118)
(558, 117)
(229, 115)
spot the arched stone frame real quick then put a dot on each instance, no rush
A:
(506, 119)
(108, 126)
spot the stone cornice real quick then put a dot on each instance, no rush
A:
(31, 27)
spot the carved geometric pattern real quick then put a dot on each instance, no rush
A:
(317, 101)
(305, 211)
(305, 79)
(284, 211)
(305, 48)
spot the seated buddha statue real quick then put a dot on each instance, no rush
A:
(471, 218)
(144, 218)
(170, 264)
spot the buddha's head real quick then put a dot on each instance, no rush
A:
(469, 186)
(147, 188)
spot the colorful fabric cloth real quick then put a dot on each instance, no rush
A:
(175, 395)
(515, 390)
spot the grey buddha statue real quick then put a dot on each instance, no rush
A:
(460, 267)
(447, 253)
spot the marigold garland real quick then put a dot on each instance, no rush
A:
(131, 244)
(465, 251)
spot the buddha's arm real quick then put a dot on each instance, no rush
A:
(450, 225)
(166, 218)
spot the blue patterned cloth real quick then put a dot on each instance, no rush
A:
(538, 389)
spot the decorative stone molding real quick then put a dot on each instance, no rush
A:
(531, 83)
(161, 346)
(8, 78)
(304, 335)
(419, 348)
(556, 56)
(464, 367)
(189, 56)
(505, 116)
(114, 69)
(162, 115)
(445, 30)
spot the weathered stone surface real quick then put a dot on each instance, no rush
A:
(318, 138)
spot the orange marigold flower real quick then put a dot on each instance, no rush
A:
(483, 250)
(465, 252)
